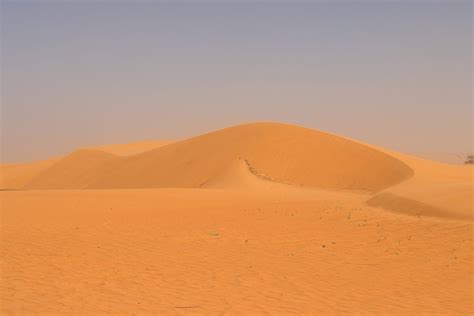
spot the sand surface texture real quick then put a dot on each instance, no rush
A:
(256, 219)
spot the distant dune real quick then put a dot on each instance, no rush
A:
(16, 175)
(75, 171)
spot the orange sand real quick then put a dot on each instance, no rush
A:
(263, 219)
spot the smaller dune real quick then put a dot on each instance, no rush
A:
(436, 189)
(14, 176)
(74, 171)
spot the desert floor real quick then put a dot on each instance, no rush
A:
(210, 251)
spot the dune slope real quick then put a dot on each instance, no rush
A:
(241, 175)
(14, 176)
(284, 153)
(436, 189)
(75, 171)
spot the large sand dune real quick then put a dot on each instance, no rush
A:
(283, 153)
(261, 155)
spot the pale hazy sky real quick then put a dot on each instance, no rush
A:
(77, 73)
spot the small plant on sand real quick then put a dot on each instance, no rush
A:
(470, 159)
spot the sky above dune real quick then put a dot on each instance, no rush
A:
(396, 74)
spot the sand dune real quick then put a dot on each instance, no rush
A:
(16, 175)
(436, 189)
(75, 171)
(261, 155)
(284, 153)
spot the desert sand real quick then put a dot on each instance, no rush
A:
(261, 218)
